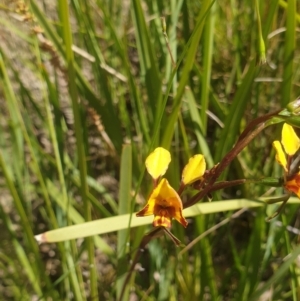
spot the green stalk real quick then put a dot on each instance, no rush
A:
(192, 45)
(261, 43)
(124, 207)
(207, 274)
(289, 52)
(294, 276)
(25, 222)
(207, 59)
(67, 36)
(68, 262)
(28, 266)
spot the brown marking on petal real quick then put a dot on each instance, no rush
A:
(162, 220)
(290, 186)
(297, 179)
(183, 222)
(143, 211)
(170, 212)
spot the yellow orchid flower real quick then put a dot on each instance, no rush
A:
(164, 202)
(291, 144)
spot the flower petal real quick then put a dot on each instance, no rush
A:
(194, 170)
(280, 155)
(289, 139)
(148, 209)
(165, 203)
(157, 162)
(293, 184)
(168, 198)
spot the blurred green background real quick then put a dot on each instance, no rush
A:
(87, 90)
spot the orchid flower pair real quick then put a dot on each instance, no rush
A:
(164, 202)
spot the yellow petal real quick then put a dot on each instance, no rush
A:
(148, 209)
(289, 140)
(194, 170)
(280, 155)
(293, 184)
(165, 195)
(165, 203)
(157, 162)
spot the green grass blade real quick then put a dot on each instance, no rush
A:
(28, 267)
(278, 276)
(67, 35)
(289, 51)
(196, 122)
(116, 223)
(189, 61)
(124, 207)
(207, 65)
(235, 115)
(146, 53)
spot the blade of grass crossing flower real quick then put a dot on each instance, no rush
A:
(67, 37)
(124, 207)
(289, 49)
(116, 223)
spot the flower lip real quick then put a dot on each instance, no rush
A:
(164, 203)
